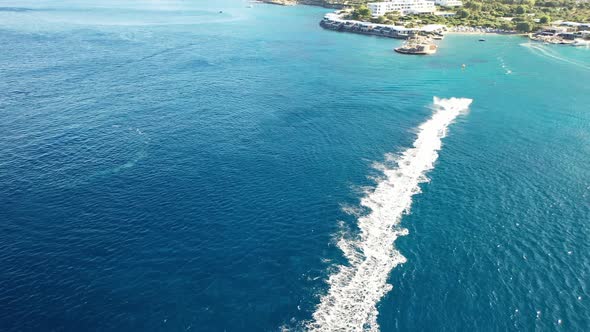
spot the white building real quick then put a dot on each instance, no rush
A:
(449, 3)
(402, 6)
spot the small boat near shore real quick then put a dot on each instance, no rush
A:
(417, 46)
(581, 42)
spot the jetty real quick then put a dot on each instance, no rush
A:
(417, 45)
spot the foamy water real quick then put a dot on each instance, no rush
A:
(548, 53)
(356, 288)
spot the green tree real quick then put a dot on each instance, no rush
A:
(392, 16)
(544, 20)
(361, 13)
(474, 6)
(524, 26)
(462, 13)
(520, 10)
(392, 13)
(382, 20)
(506, 26)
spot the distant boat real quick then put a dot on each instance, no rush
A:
(482, 39)
(581, 42)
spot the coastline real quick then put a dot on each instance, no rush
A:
(484, 33)
(334, 21)
(279, 2)
(316, 3)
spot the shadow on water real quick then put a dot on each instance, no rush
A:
(439, 64)
(478, 60)
(15, 9)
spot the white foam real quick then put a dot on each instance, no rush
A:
(356, 288)
(546, 52)
(507, 70)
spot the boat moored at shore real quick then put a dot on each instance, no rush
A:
(581, 42)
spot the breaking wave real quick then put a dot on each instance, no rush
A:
(355, 289)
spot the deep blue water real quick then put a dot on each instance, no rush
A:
(167, 167)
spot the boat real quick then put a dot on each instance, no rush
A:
(581, 42)
(417, 46)
(482, 40)
(438, 36)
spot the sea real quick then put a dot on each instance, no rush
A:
(176, 165)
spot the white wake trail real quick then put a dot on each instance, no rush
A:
(542, 51)
(355, 289)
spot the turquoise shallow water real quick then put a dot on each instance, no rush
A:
(167, 167)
